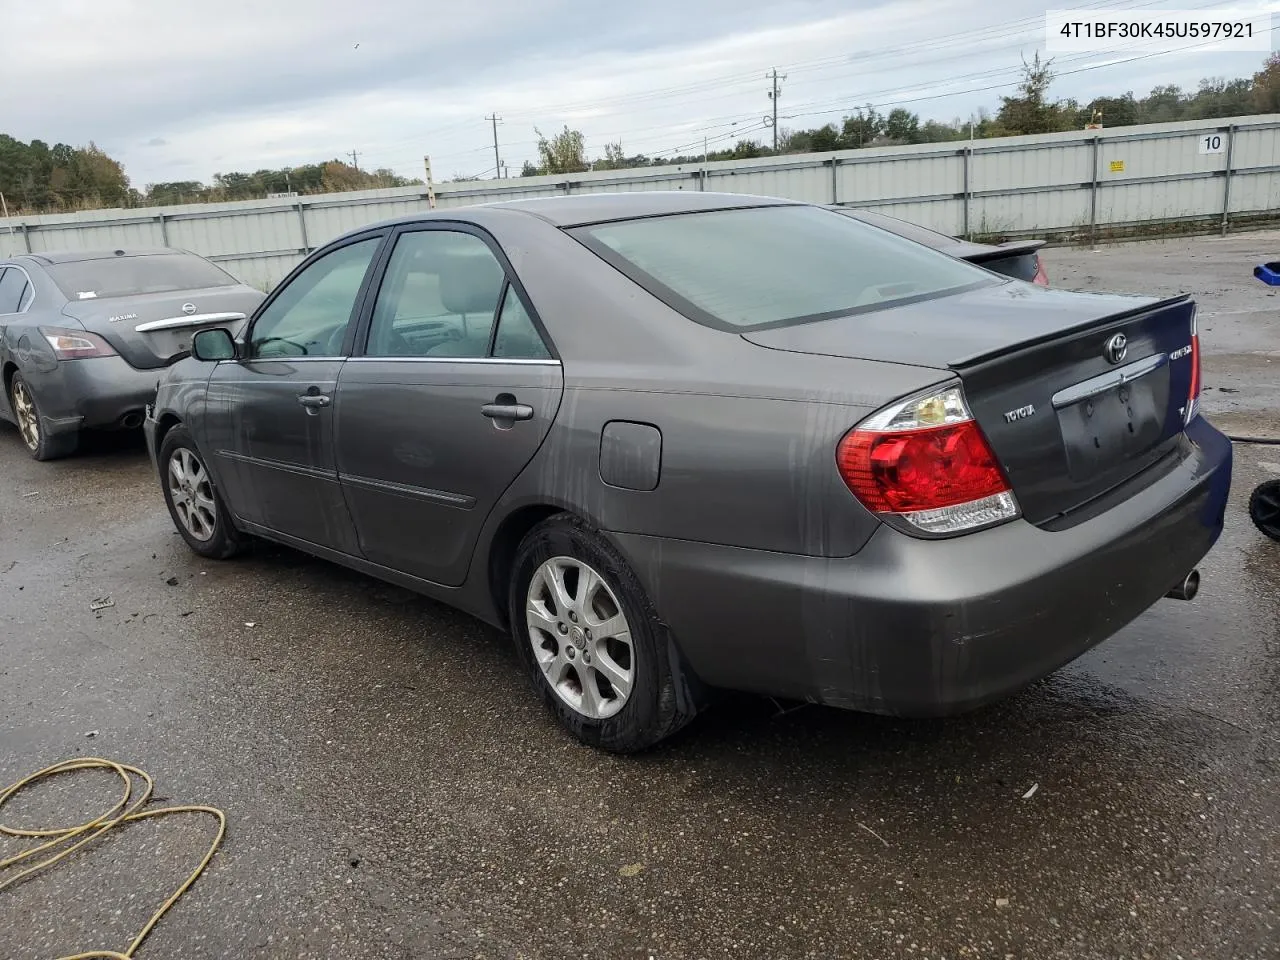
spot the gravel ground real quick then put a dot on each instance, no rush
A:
(394, 790)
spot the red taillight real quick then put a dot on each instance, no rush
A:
(927, 461)
(1193, 394)
(76, 344)
(1042, 277)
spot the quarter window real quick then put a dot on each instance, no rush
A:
(518, 338)
(309, 318)
(13, 289)
(438, 298)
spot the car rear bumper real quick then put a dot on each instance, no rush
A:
(916, 627)
(93, 392)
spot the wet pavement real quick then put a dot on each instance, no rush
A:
(393, 788)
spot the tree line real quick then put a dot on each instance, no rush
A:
(37, 178)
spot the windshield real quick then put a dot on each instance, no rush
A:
(769, 266)
(130, 276)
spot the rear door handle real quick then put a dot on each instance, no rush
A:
(507, 411)
(314, 401)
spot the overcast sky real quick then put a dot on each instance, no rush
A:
(181, 89)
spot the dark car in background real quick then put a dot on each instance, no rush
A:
(679, 441)
(85, 334)
(1019, 259)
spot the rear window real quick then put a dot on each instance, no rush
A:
(130, 276)
(771, 266)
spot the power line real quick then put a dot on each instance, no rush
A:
(865, 59)
(844, 103)
(355, 159)
(966, 38)
(999, 86)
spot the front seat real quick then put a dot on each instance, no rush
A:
(470, 288)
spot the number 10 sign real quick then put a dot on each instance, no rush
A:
(1213, 143)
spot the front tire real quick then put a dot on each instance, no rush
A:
(195, 505)
(591, 641)
(26, 411)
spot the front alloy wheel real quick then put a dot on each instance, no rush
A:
(192, 495)
(580, 636)
(194, 503)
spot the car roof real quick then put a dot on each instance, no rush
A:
(74, 256)
(577, 211)
(603, 207)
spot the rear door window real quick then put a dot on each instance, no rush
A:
(438, 298)
(758, 267)
(131, 276)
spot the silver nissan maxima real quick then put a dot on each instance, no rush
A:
(85, 334)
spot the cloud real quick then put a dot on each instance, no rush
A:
(167, 87)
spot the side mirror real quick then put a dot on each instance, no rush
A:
(213, 345)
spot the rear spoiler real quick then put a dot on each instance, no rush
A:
(1107, 320)
(1014, 248)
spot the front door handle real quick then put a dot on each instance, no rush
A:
(314, 401)
(507, 411)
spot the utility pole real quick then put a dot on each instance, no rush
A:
(773, 95)
(355, 159)
(431, 187)
(4, 204)
(497, 162)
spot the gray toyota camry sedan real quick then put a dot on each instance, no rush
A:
(84, 335)
(676, 442)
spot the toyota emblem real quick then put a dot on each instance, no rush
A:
(1116, 349)
(188, 308)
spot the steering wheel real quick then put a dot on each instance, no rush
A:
(258, 345)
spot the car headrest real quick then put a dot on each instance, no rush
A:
(470, 284)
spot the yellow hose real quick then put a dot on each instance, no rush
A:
(70, 839)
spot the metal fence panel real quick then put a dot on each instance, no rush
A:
(810, 183)
(1073, 184)
(1014, 169)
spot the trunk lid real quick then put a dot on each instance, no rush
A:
(168, 321)
(1070, 416)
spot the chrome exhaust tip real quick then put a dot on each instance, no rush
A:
(1187, 589)
(131, 421)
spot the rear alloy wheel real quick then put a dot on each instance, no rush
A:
(26, 412)
(591, 641)
(1264, 508)
(194, 504)
(580, 637)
